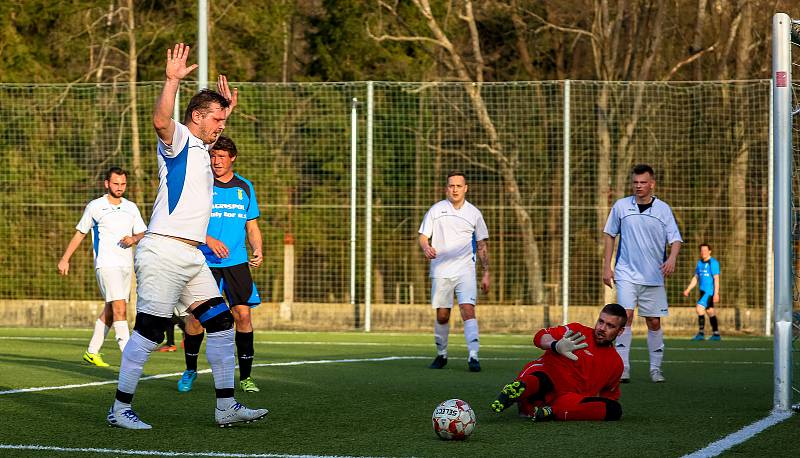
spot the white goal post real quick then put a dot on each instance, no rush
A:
(782, 116)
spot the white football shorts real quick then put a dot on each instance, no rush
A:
(170, 275)
(114, 283)
(652, 300)
(465, 288)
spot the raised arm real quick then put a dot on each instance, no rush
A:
(176, 70)
(565, 346)
(231, 96)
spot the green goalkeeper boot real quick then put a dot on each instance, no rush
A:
(508, 396)
(544, 413)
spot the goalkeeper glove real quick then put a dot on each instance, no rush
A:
(569, 343)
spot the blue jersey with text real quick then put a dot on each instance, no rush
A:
(705, 272)
(234, 205)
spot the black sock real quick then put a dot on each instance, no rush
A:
(244, 351)
(713, 320)
(191, 348)
(170, 335)
(702, 320)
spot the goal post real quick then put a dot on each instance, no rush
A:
(782, 114)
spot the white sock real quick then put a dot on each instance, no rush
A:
(471, 336)
(122, 333)
(118, 405)
(225, 403)
(623, 345)
(655, 344)
(440, 334)
(220, 354)
(136, 353)
(99, 335)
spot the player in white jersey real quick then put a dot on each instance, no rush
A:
(116, 225)
(451, 234)
(645, 226)
(170, 270)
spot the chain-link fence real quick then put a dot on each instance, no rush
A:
(708, 143)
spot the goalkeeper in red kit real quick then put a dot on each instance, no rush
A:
(578, 376)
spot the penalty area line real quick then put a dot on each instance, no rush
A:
(741, 436)
(208, 371)
(46, 448)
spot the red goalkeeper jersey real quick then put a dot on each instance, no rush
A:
(596, 372)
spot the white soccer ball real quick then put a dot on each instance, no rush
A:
(453, 419)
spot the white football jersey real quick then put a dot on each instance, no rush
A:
(454, 234)
(109, 223)
(185, 184)
(643, 239)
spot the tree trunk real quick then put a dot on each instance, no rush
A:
(602, 194)
(507, 171)
(136, 151)
(737, 177)
(697, 41)
(418, 262)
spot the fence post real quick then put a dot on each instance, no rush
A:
(202, 44)
(565, 216)
(770, 270)
(353, 200)
(368, 215)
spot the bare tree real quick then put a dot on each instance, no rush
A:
(453, 57)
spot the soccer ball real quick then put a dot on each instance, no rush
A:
(453, 419)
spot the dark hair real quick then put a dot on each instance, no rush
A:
(202, 102)
(456, 173)
(116, 171)
(225, 144)
(616, 310)
(640, 169)
(704, 244)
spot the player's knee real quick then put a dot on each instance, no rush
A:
(241, 315)
(192, 326)
(151, 327)
(545, 384)
(613, 410)
(214, 315)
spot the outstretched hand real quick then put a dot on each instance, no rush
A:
(231, 96)
(569, 343)
(176, 62)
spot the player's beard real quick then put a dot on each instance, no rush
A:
(602, 341)
(116, 194)
(210, 136)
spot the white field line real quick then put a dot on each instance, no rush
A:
(401, 344)
(44, 448)
(743, 435)
(208, 371)
(331, 361)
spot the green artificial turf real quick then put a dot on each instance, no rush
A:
(332, 400)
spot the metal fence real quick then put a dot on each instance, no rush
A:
(708, 142)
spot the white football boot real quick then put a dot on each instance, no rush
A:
(125, 418)
(238, 413)
(656, 376)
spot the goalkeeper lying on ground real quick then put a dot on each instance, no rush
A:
(576, 378)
